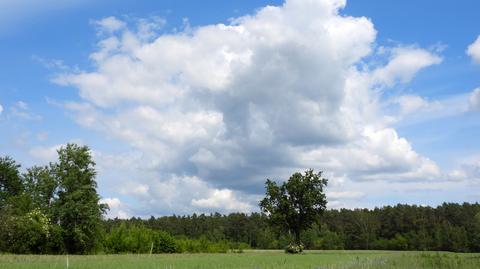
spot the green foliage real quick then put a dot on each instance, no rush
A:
(294, 248)
(475, 234)
(23, 228)
(297, 204)
(51, 209)
(399, 242)
(164, 243)
(30, 233)
(202, 245)
(451, 227)
(77, 207)
(41, 185)
(328, 239)
(10, 180)
(138, 239)
(238, 247)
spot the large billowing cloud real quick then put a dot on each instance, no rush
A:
(215, 110)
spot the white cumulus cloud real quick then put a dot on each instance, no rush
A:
(214, 110)
(413, 103)
(404, 63)
(474, 99)
(110, 24)
(222, 199)
(345, 195)
(45, 154)
(474, 50)
(116, 208)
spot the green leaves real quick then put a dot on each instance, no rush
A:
(138, 239)
(10, 181)
(77, 208)
(295, 205)
(41, 185)
(52, 208)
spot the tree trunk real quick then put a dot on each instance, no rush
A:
(297, 237)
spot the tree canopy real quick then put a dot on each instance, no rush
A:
(52, 208)
(10, 181)
(297, 204)
(77, 207)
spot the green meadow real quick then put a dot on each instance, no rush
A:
(251, 260)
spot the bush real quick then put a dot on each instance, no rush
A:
(399, 242)
(294, 248)
(202, 245)
(329, 240)
(28, 234)
(218, 247)
(138, 239)
(164, 243)
(238, 247)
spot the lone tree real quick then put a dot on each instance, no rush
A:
(295, 205)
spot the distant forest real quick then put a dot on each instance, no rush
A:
(56, 209)
(449, 227)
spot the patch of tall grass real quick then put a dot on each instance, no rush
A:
(251, 260)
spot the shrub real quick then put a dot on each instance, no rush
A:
(399, 242)
(202, 245)
(164, 243)
(238, 247)
(329, 240)
(28, 234)
(294, 248)
(138, 239)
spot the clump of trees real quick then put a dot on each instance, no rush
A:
(51, 209)
(55, 209)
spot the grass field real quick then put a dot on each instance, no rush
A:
(252, 260)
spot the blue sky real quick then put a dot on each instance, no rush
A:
(189, 106)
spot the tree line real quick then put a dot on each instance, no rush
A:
(56, 209)
(448, 227)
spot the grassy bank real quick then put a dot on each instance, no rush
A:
(252, 260)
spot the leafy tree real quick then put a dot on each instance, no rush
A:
(297, 204)
(475, 238)
(366, 226)
(41, 185)
(330, 240)
(77, 209)
(10, 180)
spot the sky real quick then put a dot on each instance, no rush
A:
(189, 106)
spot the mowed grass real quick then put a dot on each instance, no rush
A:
(251, 260)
